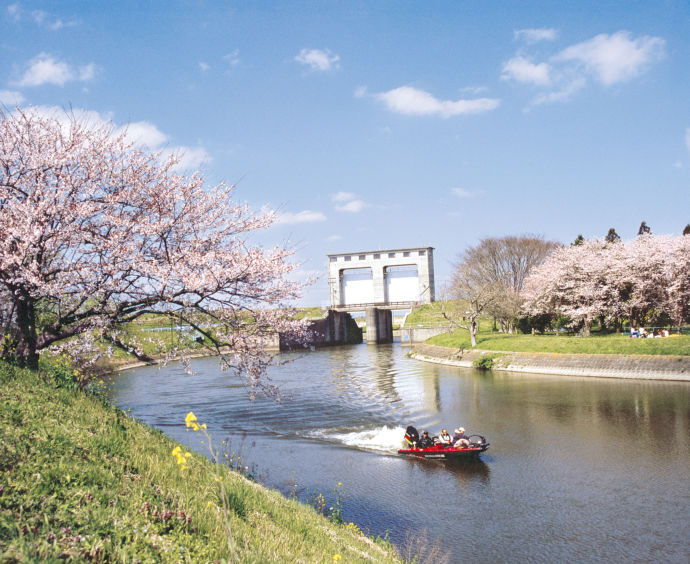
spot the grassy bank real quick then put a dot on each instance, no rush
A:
(596, 344)
(488, 339)
(81, 480)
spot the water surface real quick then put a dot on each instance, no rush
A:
(579, 469)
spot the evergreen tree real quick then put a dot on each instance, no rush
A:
(644, 229)
(612, 236)
(578, 241)
(686, 231)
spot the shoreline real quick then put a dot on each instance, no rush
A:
(633, 367)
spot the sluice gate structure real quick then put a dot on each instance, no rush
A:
(379, 282)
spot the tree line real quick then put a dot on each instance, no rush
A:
(530, 282)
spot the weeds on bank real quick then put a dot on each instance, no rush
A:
(81, 480)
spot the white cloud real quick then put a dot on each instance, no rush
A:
(204, 66)
(463, 193)
(11, 98)
(334, 238)
(348, 202)
(473, 90)
(565, 93)
(232, 58)
(43, 19)
(353, 206)
(305, 216)
(13, 10)
(615, 58)
(87, 72)
(189, 158)
(39, 17)
(522, 70)
(535, 35)
(609, 59)
(343, 196)
(412, 101)
(360, 92)
(144, 134)
(45, 69)
(318, 60)
(678, 164)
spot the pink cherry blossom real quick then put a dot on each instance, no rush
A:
(95, 232)
(645, 280)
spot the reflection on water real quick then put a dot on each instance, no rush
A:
(578, 469)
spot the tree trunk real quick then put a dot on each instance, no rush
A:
(587, 329)
(26, 343)
(473, 332)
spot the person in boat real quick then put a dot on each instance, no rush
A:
(426, 441)
(460, 440)
(411, 437)
(444, 439)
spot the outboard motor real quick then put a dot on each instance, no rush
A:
(411, 435)
(478, 441)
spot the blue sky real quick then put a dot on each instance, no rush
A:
(378, 125)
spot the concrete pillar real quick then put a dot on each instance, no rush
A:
(379, 326)
(379, 279)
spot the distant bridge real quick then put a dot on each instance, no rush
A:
(378, 282)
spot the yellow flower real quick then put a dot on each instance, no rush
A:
(190, 419)
(176, 451)
(209, 504)
(336, 558)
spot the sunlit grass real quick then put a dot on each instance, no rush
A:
(490, 339)
(80, 480)
(596, 344)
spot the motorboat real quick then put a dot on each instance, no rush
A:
(477, 445)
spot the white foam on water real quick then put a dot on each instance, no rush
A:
(382, 438)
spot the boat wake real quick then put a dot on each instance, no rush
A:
(385, 439)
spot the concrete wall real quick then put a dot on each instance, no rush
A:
(411, 335)
(337, 328)
(639, 367)
(378, 262)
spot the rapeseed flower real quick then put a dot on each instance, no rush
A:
(181, 457)
(190, 419)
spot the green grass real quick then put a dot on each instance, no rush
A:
(431, 315)
(80, 480)
(596, 344)
(488, 339)
(156, 336)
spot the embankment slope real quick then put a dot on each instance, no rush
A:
(643, 367)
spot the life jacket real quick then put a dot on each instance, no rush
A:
(411, 435)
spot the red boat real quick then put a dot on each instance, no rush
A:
(477, 445)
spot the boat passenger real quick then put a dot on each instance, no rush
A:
(460, 440)
(444, 438)
(426, 441)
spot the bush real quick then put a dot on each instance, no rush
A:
(485, 362)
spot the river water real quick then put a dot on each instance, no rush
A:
(579, 469)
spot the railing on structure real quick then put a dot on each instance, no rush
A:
(379, 305)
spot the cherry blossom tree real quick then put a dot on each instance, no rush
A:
(95, 232)
(646, 279)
